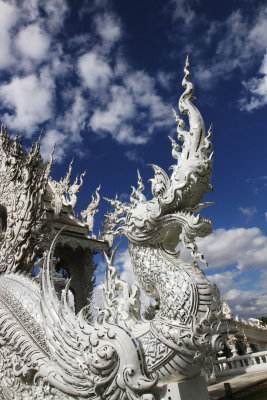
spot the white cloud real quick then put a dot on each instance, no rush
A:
(29, 100)
(142, 87)
(40, 65)
(94, 70)
(182, 9)
(245, 248)
(116, 118)
(26, 33)
(243, 302)
(135, 96)
(74, 119)
(232, 51)
(258, 33)
(120, 108)
(33, 42)
(37, 63)
(97, 299)
(165, 79)
(225, 280)
(8, 18)
(108, 27)
(35, 21)
(239, 41)
(49, 140)
(248, 211)
(133, 155)
(51, 14)
(66, 133)
(56, 12)
(256, 90)
(246, 303)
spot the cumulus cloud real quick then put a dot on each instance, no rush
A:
(103, 95)
(50, 14)
(108, 28)
(94, 70)
(28, 100)
(28, 91)
(243, 302)
(8, 18)
(119, 109)
(56, 12)
(25, 30)
(49, 140)
(165, 79)
(232, 255)
(135, 95)
(67, 131)
(73, 120)
(33, 42)
(245, 248)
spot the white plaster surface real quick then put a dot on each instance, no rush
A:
(191, 389)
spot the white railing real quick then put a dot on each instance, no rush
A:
(241, 364)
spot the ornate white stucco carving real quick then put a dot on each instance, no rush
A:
(88, 215)
(57, 354)
(185, 326)
(242, 337)
(63, 193)
(255, 322)
(226, 310)
(23, 179)
(33, 206)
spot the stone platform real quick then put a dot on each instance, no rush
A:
(238, 383)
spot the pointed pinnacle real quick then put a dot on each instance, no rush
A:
(187, 60)
(53, 151)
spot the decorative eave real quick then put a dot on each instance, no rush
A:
(76, 240)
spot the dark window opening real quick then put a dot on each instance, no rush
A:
(3, 219)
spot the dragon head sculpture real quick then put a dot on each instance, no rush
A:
(170, 216)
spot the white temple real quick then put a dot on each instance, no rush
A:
(48, 350)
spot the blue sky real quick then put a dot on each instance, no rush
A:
(100, 79)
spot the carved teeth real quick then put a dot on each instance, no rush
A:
(196, 219)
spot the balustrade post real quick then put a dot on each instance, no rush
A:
(247, 345)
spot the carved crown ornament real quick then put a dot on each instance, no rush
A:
(121, 355)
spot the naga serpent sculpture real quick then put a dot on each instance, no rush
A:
(48, 352)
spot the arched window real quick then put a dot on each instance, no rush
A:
(3, 218)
